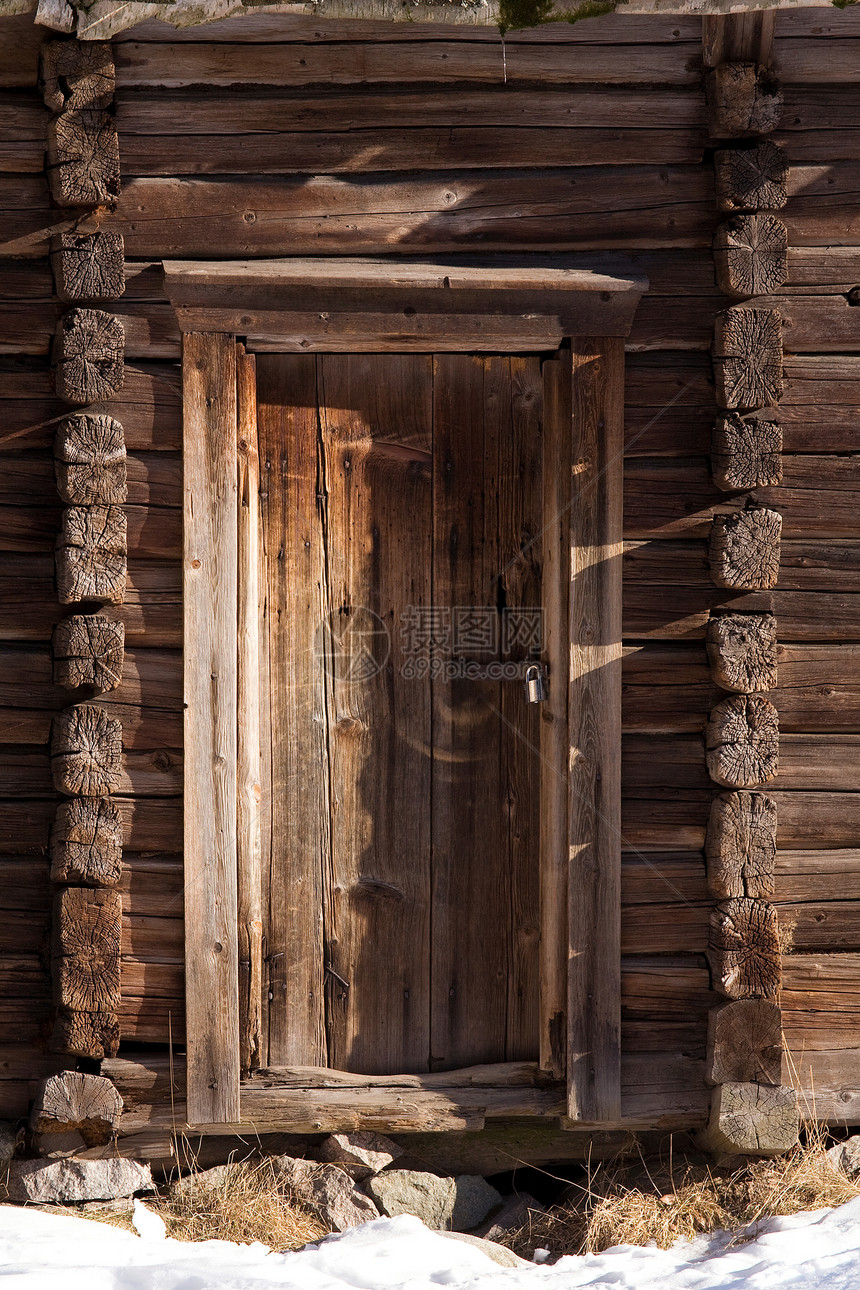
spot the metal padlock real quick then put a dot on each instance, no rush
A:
(535, 683)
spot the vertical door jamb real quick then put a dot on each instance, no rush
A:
(209, 587)
(594, 807)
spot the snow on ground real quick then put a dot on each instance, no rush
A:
(38, 1251)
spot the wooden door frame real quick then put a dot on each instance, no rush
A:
(349, 305)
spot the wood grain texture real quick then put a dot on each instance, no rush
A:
(740, 846)
(375, 444)
(744, 549)
(86, 751)
(83, 158)
(210, 599)
(86, 1034)
(88, 649)
(751, 179)
(594, 993)
(742, 652)
(744, 950)
(746, 452)
(752, 1119)
(85, 954)
(76, 74)
(743, 99)
(88, 266)
(295, 827)
(742, 741)
(249, 848)
(747, 353)
(88, 356)
(751, 255)
(90, 461)
(91, 555)
(86, 843)
(744, 1043)
(554, 727)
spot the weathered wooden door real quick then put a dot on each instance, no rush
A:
(401, 586)
(392, 863)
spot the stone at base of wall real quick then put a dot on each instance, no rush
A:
(59, 1181)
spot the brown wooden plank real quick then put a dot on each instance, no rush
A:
(210, 591)
(19, 51)
(813, 61)
(455, 147)
(148, 405)
(151, 611)
(469, 956)
(814, 323)
(554, 730)
(655, 766)
(594, 991)
(591, 209)
(295, 803)
(438, 62)
(376, 439)
(807, 820)
(249, 893)
(23, 126)
(520, 574)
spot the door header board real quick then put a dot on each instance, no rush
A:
(483, 305)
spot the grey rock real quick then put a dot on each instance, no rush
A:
(217, 1176)
(58, 1181)
(846, 1156)
(8, 1142)
(498, 1253)
(327, 1190)
(360, 1154)
(514, 1213)
(441, 1203)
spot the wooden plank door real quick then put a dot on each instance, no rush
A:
(401, 844)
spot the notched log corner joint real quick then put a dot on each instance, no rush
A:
(86, 751)
(742, 741)
(742, 99)
(744, 549)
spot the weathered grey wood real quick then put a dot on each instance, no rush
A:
(87, 933)
(88, 356)
(746, 451)
(89, 649)
(210, 588)
(747, 354)
(91, 555)
(89, 460)
(86, 751)
(743, 99)
(86, 843)
(744, 1043)
(742, 741)
(742, 652)
(594, 897)
(252, 1039)
(740, 846)
(72, 1101)
(88, 266)
(744, 549)
(86, 1034)
(83, 158)
(751, 255)
(554, 726)
(751, 179)
(751, 1120)
(744, 949)
(77, 74)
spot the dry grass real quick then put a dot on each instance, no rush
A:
(627, 1204)
(239, 1202)
(236, 1202)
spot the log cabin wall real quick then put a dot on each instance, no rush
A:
(274, 135)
